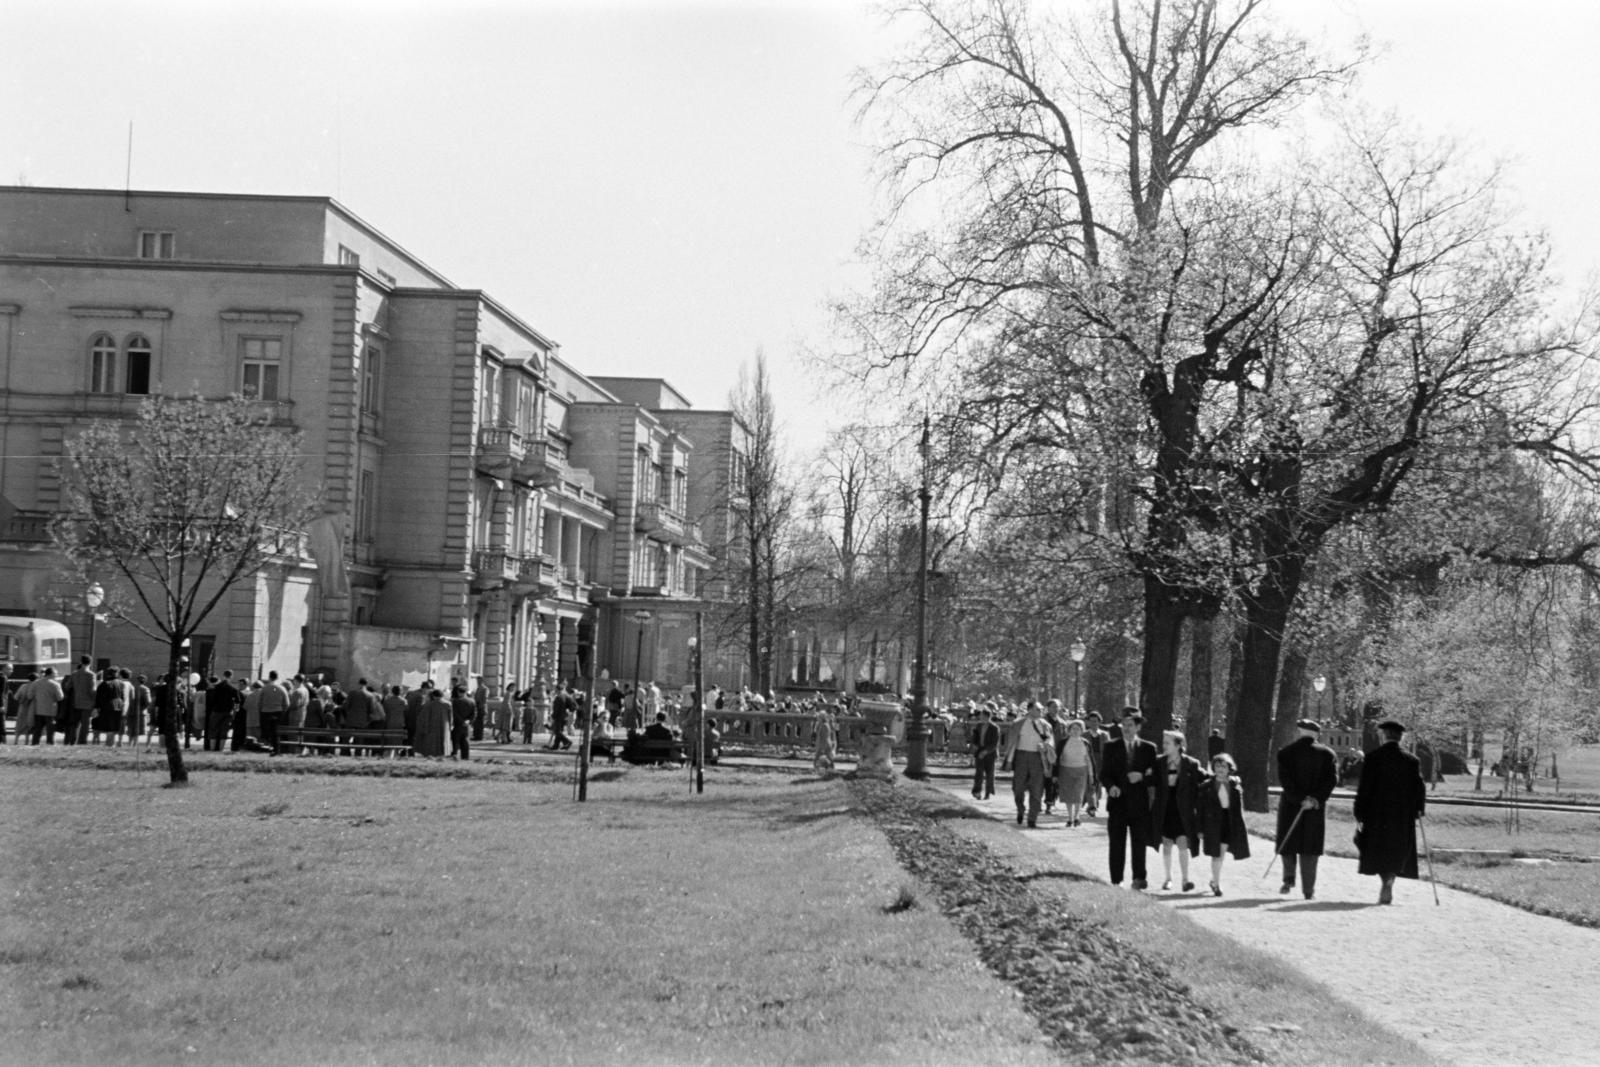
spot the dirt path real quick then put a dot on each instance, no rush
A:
(1471, 980)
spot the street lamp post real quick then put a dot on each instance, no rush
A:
(1319, 683)
(94, 596)
(1077, 652)
(917, 732)
(641, 617)
(697, 714)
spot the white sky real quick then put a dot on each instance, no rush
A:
(660, 187)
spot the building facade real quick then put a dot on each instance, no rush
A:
(487, 509)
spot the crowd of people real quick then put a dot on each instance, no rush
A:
(113, 706)
(1164, 799)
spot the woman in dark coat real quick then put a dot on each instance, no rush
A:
(1222, 826)
(1389, 801)
(1174, 810)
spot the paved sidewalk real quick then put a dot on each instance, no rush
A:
(1471, 980)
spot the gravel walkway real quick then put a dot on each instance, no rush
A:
(1471, 980)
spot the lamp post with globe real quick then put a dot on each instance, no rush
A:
(1078, 651)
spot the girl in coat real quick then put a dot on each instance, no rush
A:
(1174, 807)
(1222, 828)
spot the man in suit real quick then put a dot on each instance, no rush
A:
(1390, 801)
(1031, 750)
(985, 747)
(1307, 774)
(1126, 766)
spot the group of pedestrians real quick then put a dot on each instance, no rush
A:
(111, 706)
(1164, 799)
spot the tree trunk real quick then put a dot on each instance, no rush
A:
(1164, 612)
(1235, 683)
(1197, 722)
(1266, 620)
(177, 774)
(753, 606)
(1291, 692)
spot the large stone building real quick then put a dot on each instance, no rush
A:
(487, 507)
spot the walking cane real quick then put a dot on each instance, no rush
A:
(1428, 852)
(1279, 851)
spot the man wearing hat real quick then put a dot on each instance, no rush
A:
(1307, 773)
(1389, 801)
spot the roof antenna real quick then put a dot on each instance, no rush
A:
(127, 178)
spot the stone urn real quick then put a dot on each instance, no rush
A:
(886, 724)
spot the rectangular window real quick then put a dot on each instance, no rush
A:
(348, 257)
(262, 361)
(490, 398)
(387, 279)
(155, 244)
(371, 382)
(366, 506)
(138, 368)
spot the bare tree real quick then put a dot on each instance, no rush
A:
(190, 499)
(1073, 303)
(763, 507)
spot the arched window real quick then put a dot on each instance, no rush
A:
(102, 364)
(136, 355)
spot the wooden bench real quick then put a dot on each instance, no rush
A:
(304, 739)
(640, 750)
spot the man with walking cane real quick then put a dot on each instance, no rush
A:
(1389, 805)
(1307, 773)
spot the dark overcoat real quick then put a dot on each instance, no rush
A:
(1115, 765)
(1388, 800)
(1223, 827)
(1305, 769)
(1186, 795)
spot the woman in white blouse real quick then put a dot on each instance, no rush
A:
(1074, 771)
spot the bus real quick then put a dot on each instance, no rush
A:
(32, 645)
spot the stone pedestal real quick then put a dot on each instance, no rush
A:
(876, 758)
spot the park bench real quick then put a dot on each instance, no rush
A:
(304, 739)
(639, 750)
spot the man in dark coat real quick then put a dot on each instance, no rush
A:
(1390, 800)
(985, 747)
(1307, 773)
(1125, 770)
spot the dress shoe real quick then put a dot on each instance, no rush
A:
(1033, 824)
(1166, 885)
(1188, 887)
(1019, 816)
(1140, 885)
(1216, 890)
(1386, 893)
(1285, 887)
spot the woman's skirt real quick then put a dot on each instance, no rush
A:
(1071, 783)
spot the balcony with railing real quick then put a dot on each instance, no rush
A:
(27, 528)
(494, 567)
(500, 448)
(656, 518)
(538, 573)
(545, 462)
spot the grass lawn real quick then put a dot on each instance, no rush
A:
(291, 918)
(1567, 887)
